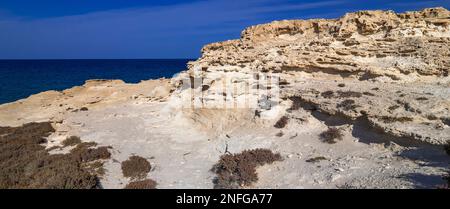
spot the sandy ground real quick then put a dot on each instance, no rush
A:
(182, 153)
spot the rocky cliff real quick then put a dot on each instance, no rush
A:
(390, 70)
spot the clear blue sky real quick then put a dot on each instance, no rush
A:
(46, 29)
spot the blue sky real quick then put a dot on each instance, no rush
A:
(69, 29)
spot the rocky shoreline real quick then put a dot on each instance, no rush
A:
(378, 80)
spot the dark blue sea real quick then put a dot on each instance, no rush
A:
(22, 78)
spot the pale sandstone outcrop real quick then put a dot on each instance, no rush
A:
(366, 43)
(54, 106)
(397, 63)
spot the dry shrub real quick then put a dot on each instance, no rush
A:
(368, 93)
(341, 94)
(59, 172)
(327, 94)
(144, 184)
(83, 153)
(72, 140)
(283, 82)
(393, 107)
(341, 85)
(346, 94)
(136, 167)
(96, 167)
(257, 113)
(316, 159)
(279, 134)
(236, 170)
(282, 122)
(205, 87)
(389, 119)
(84, 109)
(348, 104)
(24, 162)
(30, 133)
(431, 117)
(332, 135)
(421, 98)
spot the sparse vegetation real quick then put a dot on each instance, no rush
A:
(341, 85)
(70, 141)
(136, 167)
(389, 119)
(205, 87)
(332, 135)
(144, 184)
(96, 167)
(84, 153)
(84, 109)
(279, 134)
(368, 94)
(24, 162)
(283, 82)
(340, 94)
(421, 98)
(327, 94)
(316, 159)
(393, 107)
(282, 122)
(348, 104)
(237, 170)
(346, 94)
(432, 117)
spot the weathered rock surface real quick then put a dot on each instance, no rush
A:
(392, 68)
(55, 106)
(379, 77)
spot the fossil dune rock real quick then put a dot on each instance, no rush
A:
(397, 65)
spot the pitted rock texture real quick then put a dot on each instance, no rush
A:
(363, 45)
(397, 65)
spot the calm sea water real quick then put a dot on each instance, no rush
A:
(22, 78)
